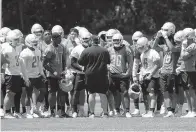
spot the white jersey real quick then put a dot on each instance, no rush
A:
(32, 62)
(76, 52)
(12, 66)
(148, 60)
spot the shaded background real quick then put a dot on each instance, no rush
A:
(96, 15)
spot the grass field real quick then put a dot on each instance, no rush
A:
(98, 124)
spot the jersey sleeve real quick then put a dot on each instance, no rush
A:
(74, 53)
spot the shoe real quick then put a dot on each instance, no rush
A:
(111, 113)
(35, 115)
(136, 112)
(65, 115)
(2, 112)
(188, 115)
(169, 114)
(58, 114)
(144, 113)
(75, 114)
(163, 110)
(193, 114)
(128, 115)
(9, 116)
(28, 116)
(104, 116)
(178, 111)
(148, 115)
(46, 114)
(18, 115)
(92, 116)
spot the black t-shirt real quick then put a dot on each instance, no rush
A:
(95, 60)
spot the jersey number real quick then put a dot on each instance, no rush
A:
(117, 60)
(35, 60)
(168, 58)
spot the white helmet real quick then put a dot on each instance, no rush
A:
(38, 30)
(117, 40)
(58, 29)
(169, 27)
(13, 38)
(77, 27)
(82, 30)
(134, 91)
(85, 38)
(137, 35)
(109, 34)
(31, 41)
(179, 36)
(102, 33)
(142, 44)
(18, 32)
(189, 33)
(66, 84)
(3, 33)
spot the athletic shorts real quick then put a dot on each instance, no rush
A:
(97, 83)
(13, 83)
(191, 80)
(118, 83)
(167, 82)
(37, 83)
(150, 86)
(53, 84)
(79, 82)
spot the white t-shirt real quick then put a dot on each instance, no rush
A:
(76, 52)
(148, 60)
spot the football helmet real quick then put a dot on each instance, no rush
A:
(31, 41)
(142, 44)
(66, 84)
(58, 29)
(134, 91)
(109, 34)
(20, 34)
(117, 40)
(85, 38)
(189, 33)
(3, 33)
(169, 27)
(13, 38)
(179, 36)
(136, 36)
(38, 30)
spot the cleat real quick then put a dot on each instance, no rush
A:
(148, 115)
(9, 116)
(28, 116)
(75, 114)
(136, 112)
(128, 115)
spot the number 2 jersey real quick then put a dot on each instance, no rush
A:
(11, 56)
(120, 59)
(32, 61)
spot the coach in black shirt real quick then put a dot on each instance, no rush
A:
(95, 60)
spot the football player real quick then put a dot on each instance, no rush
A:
(136, 66)
(109, 34)
(188, 55)
(164, 41)
(10, 51)
(54, 62)
(120, 56)
(150, 61)
(3, 34)
(79, 81)
(30, 60)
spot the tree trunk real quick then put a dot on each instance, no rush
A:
(20, 7)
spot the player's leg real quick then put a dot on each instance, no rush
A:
(81, 103)
(124, 86)
(136, 106)
(104, 104)
(53, 88)
(92, 104)
(17, 98)
(145, 96)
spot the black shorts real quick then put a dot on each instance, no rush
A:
(118, 84)
(191, 80)
(13, 83)
(53, 84)
(37, 83)
(150, 86)
(79, 82)
(97, 83)
(167, 82)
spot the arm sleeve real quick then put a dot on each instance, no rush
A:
(82, 59)
(75, 64)
(108, 60)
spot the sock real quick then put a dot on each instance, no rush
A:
(169, 109)
(63, 109)
(58, 107)
(28, 109)
(152, 109)
(13, 109)
(52, 109)
(117, 110)
(1, 106)
(23, 110)
(127, 109)
(8, 111)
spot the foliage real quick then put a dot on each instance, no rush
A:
(125, 15)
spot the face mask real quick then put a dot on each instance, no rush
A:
(117, 45)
